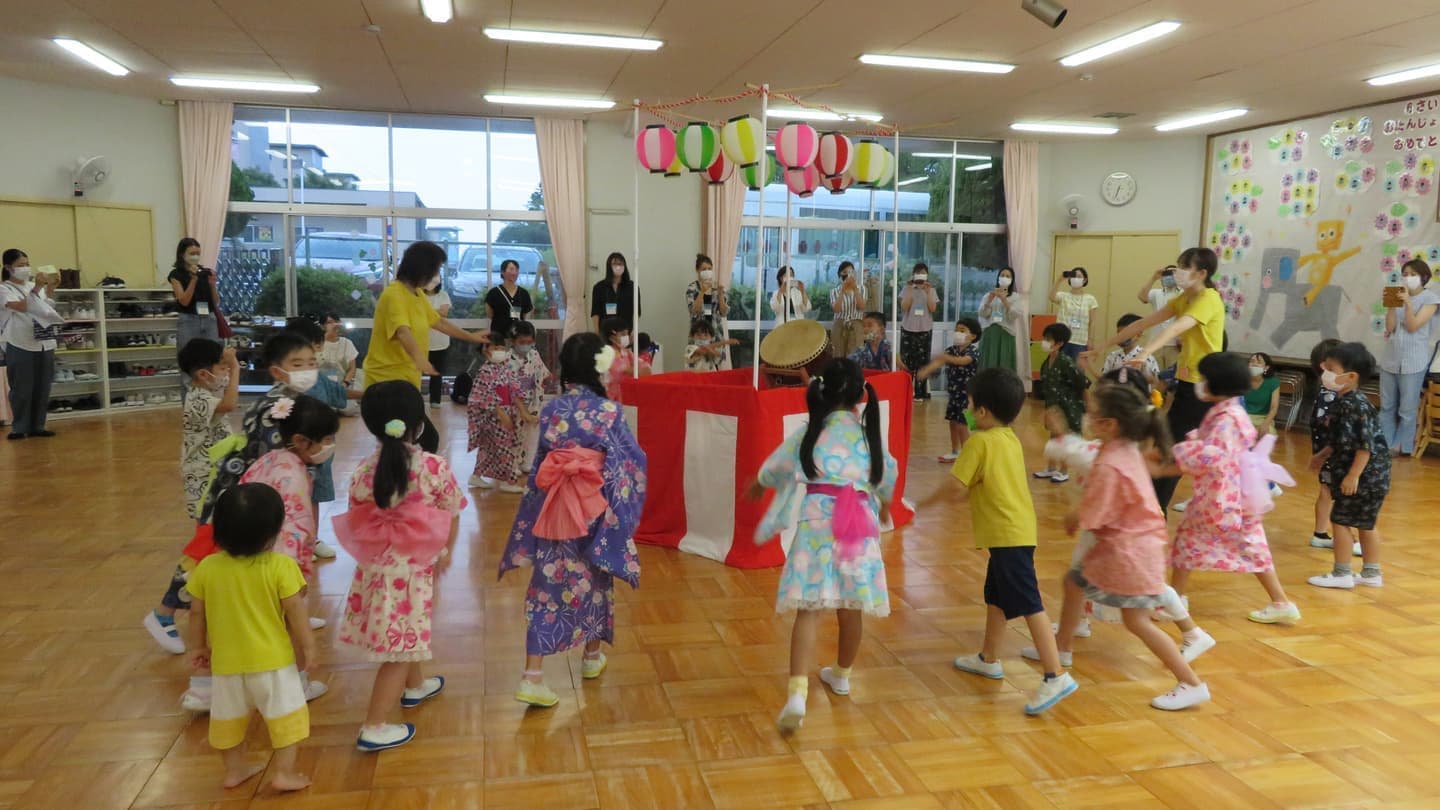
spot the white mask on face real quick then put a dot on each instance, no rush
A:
(1005, 282)
(1330, 380)
(499, 355)
(220, 383)
(921, 278)
(1257, 371)
(192, 259)
(624, 341)
(1167, 281)
(1185, 279)
(324, 454)
(21, 275)
(1412, 283)
(1201, 390)
(523, 349)
(961, 338)
(707, 275)
(1047, 345)
(1077, 282)
(304, 379)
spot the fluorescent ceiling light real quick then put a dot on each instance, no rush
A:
(820, 115)
(244, 84)
(948, 155)
(1405, 76)
(439, 11)
(582, 40)
(963, 65)
(979, 167)
(92, 56)
(1196, 121)
(1120, 43)
(551, 101)
(912, 181)
(1065, 129)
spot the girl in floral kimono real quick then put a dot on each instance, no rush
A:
(834, 562)
(1218, 533)
(577, 520)
(497, 414)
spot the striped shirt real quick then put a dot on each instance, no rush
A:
(849, 305)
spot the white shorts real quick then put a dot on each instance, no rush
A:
(279, 695)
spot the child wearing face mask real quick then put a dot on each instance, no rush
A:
(1064, 389)
(616, 333)
(1117, 356)
(1357, 461)
(961, 359)
(214, 376)
(400, 528)
(330, 391)
(1319, 440)
(1218, 532)
(497, 411)
(704, 352)
(535, 377)
(874, 353)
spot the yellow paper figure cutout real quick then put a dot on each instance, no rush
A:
(1328, 237)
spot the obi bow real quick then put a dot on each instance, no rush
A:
(571, 478)
(852, 521)
(413, 529)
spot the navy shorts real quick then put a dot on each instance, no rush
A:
(1010, 583)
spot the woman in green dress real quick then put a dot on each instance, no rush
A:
(998, 321)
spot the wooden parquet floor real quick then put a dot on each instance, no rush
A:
(1341, 710)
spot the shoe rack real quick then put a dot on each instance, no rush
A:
(116, 352)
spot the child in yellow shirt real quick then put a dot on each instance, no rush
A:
(241, 601)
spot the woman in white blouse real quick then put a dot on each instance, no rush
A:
(999, 321)
(790, 301)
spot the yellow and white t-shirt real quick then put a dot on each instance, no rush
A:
(1073, 310)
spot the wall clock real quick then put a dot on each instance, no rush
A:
(1118, 188)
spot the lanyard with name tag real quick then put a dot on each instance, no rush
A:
(612, 308)
(202, 308)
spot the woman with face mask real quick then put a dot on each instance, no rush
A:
(999, 316)
(1197, 318)
(507, 302)
(1409, 337)
(615, 295)
(789, 301)
(918, 301)
(196, 294)
(1157, 297)
(28, 329)
(706, 300)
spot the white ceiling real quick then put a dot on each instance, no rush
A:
(1281, 58)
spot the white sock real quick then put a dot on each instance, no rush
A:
(1192, 635)
(1173, 604)
(200, 683)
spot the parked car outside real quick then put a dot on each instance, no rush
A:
(473, 279)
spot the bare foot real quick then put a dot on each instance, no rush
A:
(234, 779)
(286, 782)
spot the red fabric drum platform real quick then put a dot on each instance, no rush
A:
(705, 437)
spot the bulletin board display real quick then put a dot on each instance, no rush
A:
(1312, 219)
(98, 240)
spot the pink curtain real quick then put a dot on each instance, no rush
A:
(724, 205)
(562, 178)
(1022, 215)
(205, 171)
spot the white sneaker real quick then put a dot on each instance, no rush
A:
(1275, 490)
(512, 489)
(1047, 473)
(793, 715)
(1179, 506)
(1369, 582)
(1271, 614)
(390, 735)
(481, 482)
(193, 701)
(1183, 696)
(314, 689)
(323, 550)
(317, 623)
(837, 684)
(1190, 649)
(1032, 654)
(948, 457)
(167, 636)
(1343, 583)
(1329, 542)
(1059, 477)
(975, 666)
(1081, 631)
(1051, 692)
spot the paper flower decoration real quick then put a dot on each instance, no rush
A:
(834, 155)
(282, 409)
(743, 140)
(796, 145)
(655, 148)
(697, 146)
(604, 359)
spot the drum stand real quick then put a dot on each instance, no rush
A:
(785, 377)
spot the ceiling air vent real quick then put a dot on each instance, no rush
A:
(1115, 116)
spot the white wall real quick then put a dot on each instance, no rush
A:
(47, 126)
(1169, 173)
(669, 232)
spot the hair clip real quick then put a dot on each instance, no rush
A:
(282, 409)
(1156, 398)
(395, 428)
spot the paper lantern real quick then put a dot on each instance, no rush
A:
(655, 148)
(834, 154)
(676, 168)
(752, 174)
(804, 181)
(839, 183)
(698, 144)
(888, 174)
(719, 171)
(869, 163)
(796, 145)
(743, 140)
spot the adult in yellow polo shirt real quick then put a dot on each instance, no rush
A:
(1199, 323)
(399, 341)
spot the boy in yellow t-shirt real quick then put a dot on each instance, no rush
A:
(991, 467)
(241, 601)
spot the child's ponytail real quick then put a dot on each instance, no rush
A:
(873, 440)
(1125, 399)
(395, 414)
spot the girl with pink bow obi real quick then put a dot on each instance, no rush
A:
(401, 525)
(837, 477)
(577, 519)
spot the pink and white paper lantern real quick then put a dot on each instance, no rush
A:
(796, 145)
(655, 148)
